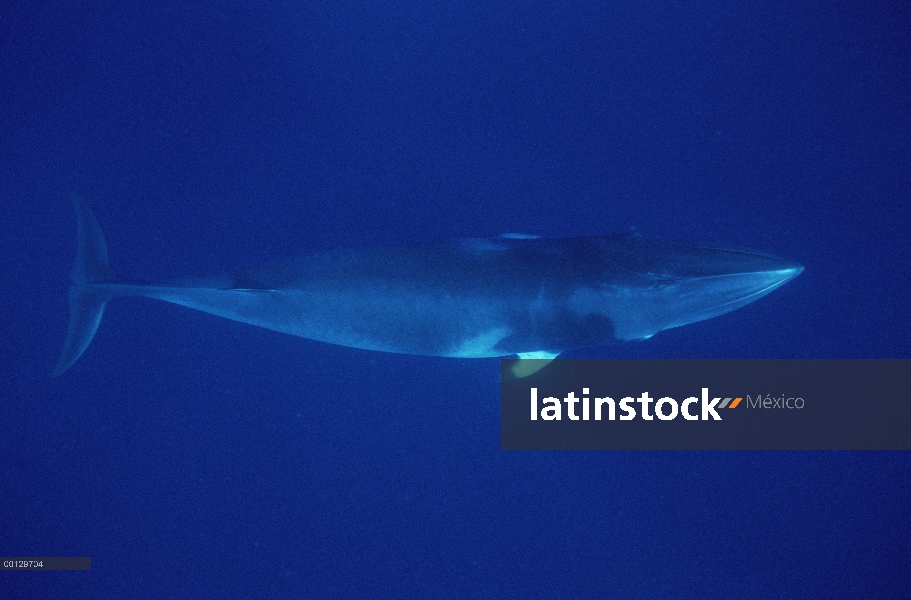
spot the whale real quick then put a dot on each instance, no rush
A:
(509, 296)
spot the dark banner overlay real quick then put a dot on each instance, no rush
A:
(45, 563)
(708, 405)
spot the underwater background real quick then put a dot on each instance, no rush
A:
(195, 457)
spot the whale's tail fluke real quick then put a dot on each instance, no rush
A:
(88, 290)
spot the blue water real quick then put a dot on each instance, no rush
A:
(193, 457)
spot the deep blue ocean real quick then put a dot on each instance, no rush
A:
(195, 457)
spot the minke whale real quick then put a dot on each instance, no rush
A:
(514, 295)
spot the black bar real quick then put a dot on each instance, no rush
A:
(46, 563)
(785, 405)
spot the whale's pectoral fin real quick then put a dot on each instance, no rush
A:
(531, 362)
(88, 294)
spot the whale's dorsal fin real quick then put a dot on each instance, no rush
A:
(520, 236)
